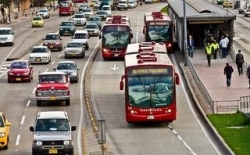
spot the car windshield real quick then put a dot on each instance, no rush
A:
(79, 16)
(42, 11)
(86, 10)
(80, 36)
(37, 18)
(1, 122)
(105, 8)
(18, 65)
(66, 66)
(39, 50)
(52, 78)
(51, 37)
(101, 13)
(4, 32)
(91, 26)
(94, 19)
(74, 45)
(67, 24)
(52, 125)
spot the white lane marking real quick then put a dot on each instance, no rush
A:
(28, 103)
(52, 63)
(34, 90)
(46, 70)
(18, 139)
(59, 56)
(22, 120)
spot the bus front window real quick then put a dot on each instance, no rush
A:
(158, 33)
(116, 39)
(150, 91)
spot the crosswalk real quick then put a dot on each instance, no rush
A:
(3, 67)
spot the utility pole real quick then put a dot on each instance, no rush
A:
(185, 33)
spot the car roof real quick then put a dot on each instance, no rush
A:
(52, 73)
(52, 33)
(91, 23)
(52, 115)
(74, 41)
(5, 28)
(81, 31)
(39, 46)
(27, 61)
(106, 6)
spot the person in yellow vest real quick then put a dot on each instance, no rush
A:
(215, 47)
(209, 53)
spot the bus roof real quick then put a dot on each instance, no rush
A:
(149, 59)
(157, 17)
(117, 19)
(146, 47)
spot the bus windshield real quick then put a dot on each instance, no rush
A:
(158, 33)
(116, 36)
(150, 91)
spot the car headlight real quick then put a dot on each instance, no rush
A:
(45, 43)
(73, 73)
(45, 57)
(39, 143)
(61, 29)
(57, 43)
(27, 73)
(66, 142)
(2, 134)
(10, 73)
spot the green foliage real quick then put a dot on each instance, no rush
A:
(165, 9)
(235, 130)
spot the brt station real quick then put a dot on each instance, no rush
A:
(205, 22)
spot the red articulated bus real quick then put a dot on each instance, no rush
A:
(150, 83)
(158, 27)
(116, 35)
(66, 8)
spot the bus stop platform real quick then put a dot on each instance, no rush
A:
(211, 82)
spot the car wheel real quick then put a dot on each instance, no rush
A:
(65, 56)
(9, 81)
(61, 34)
(71, 153)
(67, 102)
(6, 146)
(29, 80)
(87, 47)
(38, 103)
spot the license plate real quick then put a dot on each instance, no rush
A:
(18, 79)
(116, 55)
(52, 98)
(53, 151)
(73, 54)
(38, 60)
(51, 46)
(151, 117)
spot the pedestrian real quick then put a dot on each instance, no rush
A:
(208, 51)
(239, 61)
(228, 70)
(224, 43)
(248, 75)
(190, 45)
(215, 47)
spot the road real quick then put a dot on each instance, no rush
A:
(186, 135)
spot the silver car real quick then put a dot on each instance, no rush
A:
(74, 49)
(44, 12)
(70, 68)
(92, 28)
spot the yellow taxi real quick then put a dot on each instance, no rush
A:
(227, 4)
(4, 131)
(37, 21)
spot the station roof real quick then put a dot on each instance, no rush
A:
(200, 10)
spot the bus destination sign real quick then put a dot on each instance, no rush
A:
(158, 23)
(149, 71)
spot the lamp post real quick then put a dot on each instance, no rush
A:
(185, 33)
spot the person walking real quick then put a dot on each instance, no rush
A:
(208, 53)
(224, 43)
(215, 47)
(228, 70)
(190, 45)
(239, 61)
(248, 75)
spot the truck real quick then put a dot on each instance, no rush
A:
(52, 86)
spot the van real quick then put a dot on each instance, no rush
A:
(6, 36)
(82, 36)
(107, 8)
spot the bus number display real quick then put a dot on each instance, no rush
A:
(158, 23)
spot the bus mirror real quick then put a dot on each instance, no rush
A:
(100, 36)
(144, 29)
(177, 79)
(121, 83)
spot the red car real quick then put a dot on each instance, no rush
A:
(53, 41)
(20, 70)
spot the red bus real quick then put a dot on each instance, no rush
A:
(116, 35)
(158, 27)
(66, 8)
(150, 84)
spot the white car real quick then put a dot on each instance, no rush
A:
(148, 1)
(40, 54)
(87, 12)
(107, 8)
(82, 36)
(74, 49)
(44, 12)
(122, 5)
(79, 19)
(92, 28)
(132, 4)
(6, 36)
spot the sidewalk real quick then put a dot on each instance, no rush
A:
(214, 81)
